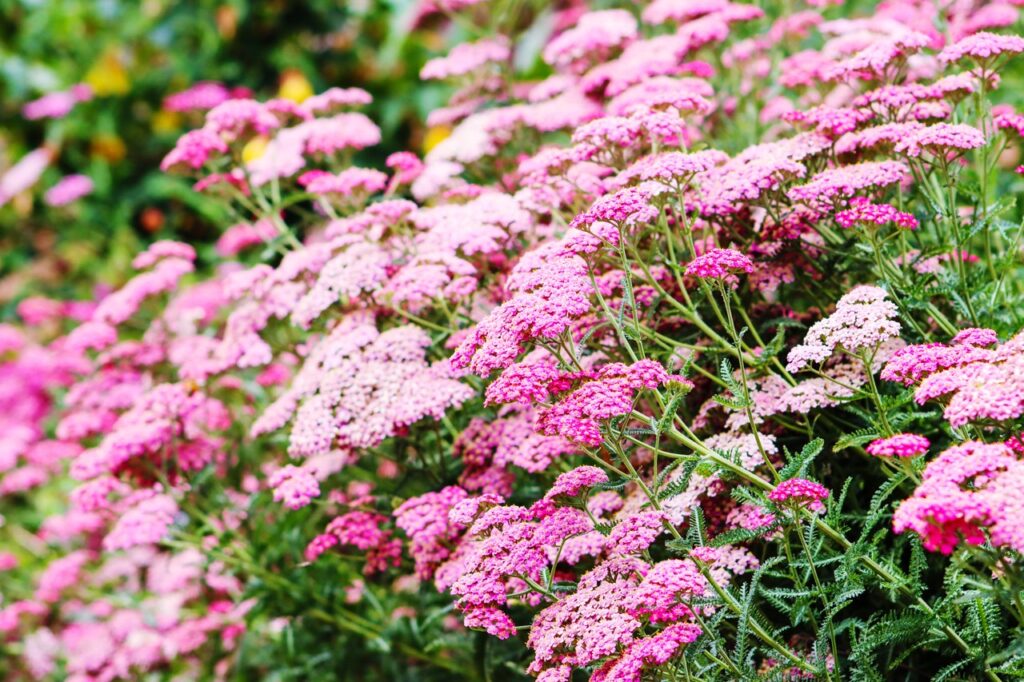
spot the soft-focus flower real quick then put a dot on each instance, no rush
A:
(70, 188)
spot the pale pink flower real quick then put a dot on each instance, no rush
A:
(68, 189)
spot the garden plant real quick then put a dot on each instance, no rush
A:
(689, 349)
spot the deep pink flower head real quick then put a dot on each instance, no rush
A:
(970, 493)
(799, 492)
(900, 445)
(719, 264)
(863, 212)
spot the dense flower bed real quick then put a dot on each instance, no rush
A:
(700, 358)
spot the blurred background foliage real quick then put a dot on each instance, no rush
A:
(134, 53)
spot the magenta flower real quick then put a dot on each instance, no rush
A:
(719, 264)
(863, 212)
(799, 492)
(900, 445)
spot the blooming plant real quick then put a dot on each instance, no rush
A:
(699, 359)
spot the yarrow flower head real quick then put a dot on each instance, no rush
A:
(864, 319)
(719, 264)
(863, 212)
(294, 487)
(592, 40)
(975, 336)
(970, 493)
(941, 139)
(466, 58)
(976, 381)
(571, 483)
(982, 47)
(801, 493)
(837, 184)
(900, 445)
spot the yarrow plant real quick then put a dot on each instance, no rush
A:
(693, 351)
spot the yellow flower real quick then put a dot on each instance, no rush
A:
(108, 75)
(166, 121)
(295, 87)
(435, 136)
(254, 149)
(108, 146)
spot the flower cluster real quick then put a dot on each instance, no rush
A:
(585, 371)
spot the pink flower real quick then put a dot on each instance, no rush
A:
(719, 264)
(239, 237)
(193, 150)
(364, 531)
(830, 121)
(841, 183)
(145, 523)
(57, 104)
(799, 492)
(592, 40)
(864, 319)
(626, 208)
(636, 532)
(427, 520)
(202, 96)
(348, 183)
(24, 174)
(941, 139)
(333, 99)
(652, 651)
(61, 574)
(675, 95)
(873, 61)
(968, 490)
(974, 336)
(549, 289)
(579, 414)
(900, 445)
(234, 117)
(982, 47)
(571, 483)
(294, 487)
(68, 189)
(465, 58)
(863, 212)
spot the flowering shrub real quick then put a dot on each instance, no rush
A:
(700, 358)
